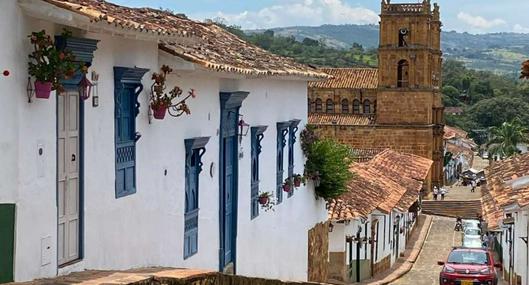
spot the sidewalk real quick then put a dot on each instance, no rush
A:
(404, 264)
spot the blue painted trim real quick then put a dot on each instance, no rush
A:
(257, 135)
(282, 131)
(125, 77)
(83, 49)
(292, 130)
(229, 102)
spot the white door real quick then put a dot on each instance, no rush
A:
(68, 177)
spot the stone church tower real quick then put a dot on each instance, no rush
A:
(396, 106)
(409, 82)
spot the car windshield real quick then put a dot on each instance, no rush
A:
(472, 232)
(468, 257)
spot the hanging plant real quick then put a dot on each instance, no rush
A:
(162, 101)
(298, 179)
(49, 65)
(266, 201)
(288, 185)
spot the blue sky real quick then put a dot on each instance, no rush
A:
(473, 16)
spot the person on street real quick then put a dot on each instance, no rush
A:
(459, 224)
(435, 192)
(443, 193)
(473, 183)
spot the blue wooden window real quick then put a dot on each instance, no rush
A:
(292, 130)
(257, 137)
(282, 131)
(195, 149)
(127, 87)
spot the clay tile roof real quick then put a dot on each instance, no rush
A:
(491, 213)
(453, 110)
(365, 154)
(460, 150)
(340, 119)
(214, 48)
(453, 132)
(348, 78)
(389, 181)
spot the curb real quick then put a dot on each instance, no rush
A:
(408, 263)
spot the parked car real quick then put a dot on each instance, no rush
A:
(472, 242)
(471, 224)
(469, 266)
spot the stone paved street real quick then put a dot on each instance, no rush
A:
(436, 247)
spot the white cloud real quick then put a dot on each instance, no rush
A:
(479, 22)
(302, 12)
(520, 29)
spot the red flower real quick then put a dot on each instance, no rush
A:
(192, 93)
(61, 56)
(6, 72)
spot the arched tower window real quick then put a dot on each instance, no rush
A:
(345, 106)
(367, 107)
(403, 37)
(329, 106)
(356, 106)
(402, 74)
(319, 107)
(309, 106)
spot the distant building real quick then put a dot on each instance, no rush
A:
(455, 111)
(398, 105)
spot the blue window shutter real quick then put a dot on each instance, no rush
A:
(282, 131)
(292, 130)
(195, 149)
(257, 137)
(127, 87)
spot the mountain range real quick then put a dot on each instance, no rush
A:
(501, 53)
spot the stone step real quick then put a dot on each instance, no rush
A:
(449, 208)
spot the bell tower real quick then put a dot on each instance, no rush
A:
(410, 74)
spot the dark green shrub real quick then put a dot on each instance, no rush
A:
(327, 164)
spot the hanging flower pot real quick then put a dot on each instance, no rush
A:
(159, 111)
(43, 89)
(263, 200)
(287, 187)
(298, 179)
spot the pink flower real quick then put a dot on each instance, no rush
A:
(192, 93)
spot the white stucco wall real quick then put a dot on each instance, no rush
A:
(521, 262)
(146, 229)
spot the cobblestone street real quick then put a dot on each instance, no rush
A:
(437, 246)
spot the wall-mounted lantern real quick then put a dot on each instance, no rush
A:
(243, 127)
(331, 227)
(85, 87)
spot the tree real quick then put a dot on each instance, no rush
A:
(504, 140)
(495, 111)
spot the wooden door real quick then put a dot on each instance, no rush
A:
(68, 177)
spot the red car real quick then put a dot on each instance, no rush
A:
(469, 266)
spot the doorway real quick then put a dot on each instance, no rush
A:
(68, 177)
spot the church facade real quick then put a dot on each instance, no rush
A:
(398, 105)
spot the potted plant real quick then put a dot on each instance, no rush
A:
(298, 179)
(266, 202)
(49, 65)
(161, 101)
(287, 185)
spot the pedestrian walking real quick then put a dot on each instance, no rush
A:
(435, 192)
(443, 192)
(473, 183)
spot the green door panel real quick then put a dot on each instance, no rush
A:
(7, 241)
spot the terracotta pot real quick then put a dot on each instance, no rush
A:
(263, 200)
(287, 188)
(297, 182)
(42, 89)
(159, 112)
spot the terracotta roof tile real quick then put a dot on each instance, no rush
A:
(460, 150)
(348, 78)
(453, 110)
(507, 184)
(389, 181)
(214, 48)
(453, 132)
(340, 119)
(365, 154)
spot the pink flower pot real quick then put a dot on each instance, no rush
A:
(263, 200)
(287, 188)
(159, 112)
(42, 89)
(297, 182)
